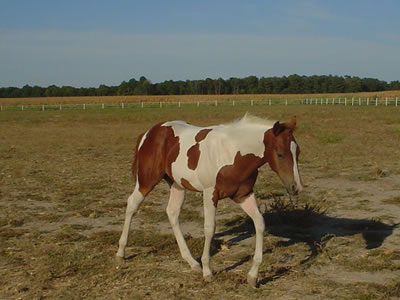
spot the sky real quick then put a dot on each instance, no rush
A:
(85, 43)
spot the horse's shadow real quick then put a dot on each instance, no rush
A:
(304, 226)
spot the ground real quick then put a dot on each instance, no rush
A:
(65, 177)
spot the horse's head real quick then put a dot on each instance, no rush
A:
(283, 153)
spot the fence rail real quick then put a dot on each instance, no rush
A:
(144, 105)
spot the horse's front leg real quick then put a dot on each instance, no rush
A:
(134, 201)
(249, 205)
(209, 230)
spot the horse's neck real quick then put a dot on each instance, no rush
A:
(250, 139)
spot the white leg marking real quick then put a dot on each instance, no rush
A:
(293, 149)
(176, 199)
(209, 230)
(134, 202)
(249, 205)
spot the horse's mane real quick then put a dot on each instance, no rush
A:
(249, 119)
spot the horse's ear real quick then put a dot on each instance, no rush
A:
(278, 128)
(292, 124)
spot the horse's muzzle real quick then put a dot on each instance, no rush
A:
(294, 189)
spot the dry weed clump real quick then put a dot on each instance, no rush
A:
(294, 211)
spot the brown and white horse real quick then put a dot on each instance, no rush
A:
(221, 161)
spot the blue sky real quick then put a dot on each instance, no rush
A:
(92, 42)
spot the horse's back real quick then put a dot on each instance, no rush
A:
(202, 152)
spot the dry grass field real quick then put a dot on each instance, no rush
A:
(65, 177)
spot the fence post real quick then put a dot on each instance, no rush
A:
(123, 106)
(386, 102)
(160, 104)
(22, 107)
(198, 103)
(352, 101)
(102, 106)
(396, 101)
(142, 104)
(368, 101)
(60, 106)
(233, 103)
(359, 101)
(286, 102)
(269, 102)
(376, 101)
(253, 103)
(42, 107)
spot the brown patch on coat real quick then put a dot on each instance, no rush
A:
(236, 181)
(193, 156)
(187, 185)
(194, 152)
(154, 158)
(201, 135)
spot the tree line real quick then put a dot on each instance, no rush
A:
(293, 84)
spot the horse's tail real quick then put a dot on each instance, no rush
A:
(134, 163)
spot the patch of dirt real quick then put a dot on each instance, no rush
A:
(337, 274)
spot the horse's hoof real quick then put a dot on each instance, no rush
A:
(252, 281)
(208, 278)
(197, 268)
(119, 259)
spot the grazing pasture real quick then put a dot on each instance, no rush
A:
(65, 177)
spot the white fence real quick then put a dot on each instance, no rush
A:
(144, 105)
(353, 101)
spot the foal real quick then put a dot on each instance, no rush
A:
(221, 161)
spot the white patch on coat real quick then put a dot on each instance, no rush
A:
(218, 149)
(142, 140)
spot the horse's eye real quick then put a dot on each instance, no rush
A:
(280, 155)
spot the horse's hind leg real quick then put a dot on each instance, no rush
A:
(134, 201)
(176, 199)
